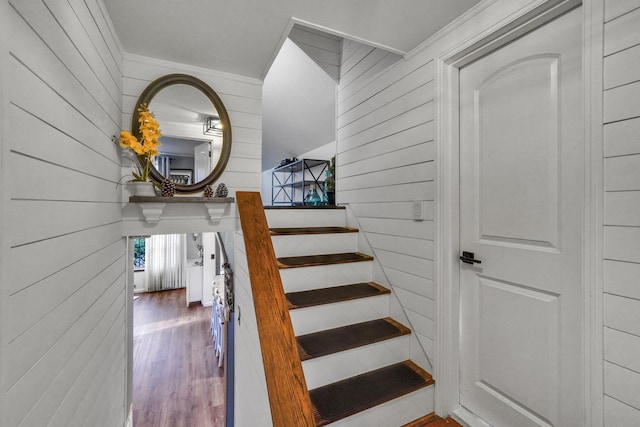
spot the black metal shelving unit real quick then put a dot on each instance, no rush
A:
(290, 182)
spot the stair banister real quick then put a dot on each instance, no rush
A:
(288, 395)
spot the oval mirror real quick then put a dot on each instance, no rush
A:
(195, 127)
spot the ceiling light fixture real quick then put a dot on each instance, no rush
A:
(212, 126)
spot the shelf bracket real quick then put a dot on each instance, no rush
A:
(152, 211)
(216, 211)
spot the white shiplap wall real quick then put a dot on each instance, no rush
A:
(325, 49)
(251, 398)
(242, 98)
(62, 323)
(622, 213)
(384, 162)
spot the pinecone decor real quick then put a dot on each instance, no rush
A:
(221, 190)
(208, 191)
(168, 188)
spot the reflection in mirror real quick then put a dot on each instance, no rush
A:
(196, 140)
(183, 112)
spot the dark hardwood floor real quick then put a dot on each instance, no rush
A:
(176, 379)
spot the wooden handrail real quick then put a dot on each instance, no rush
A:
(287, 388)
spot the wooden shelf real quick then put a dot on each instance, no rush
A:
(153, 207)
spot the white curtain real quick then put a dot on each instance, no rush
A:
(163, 164)
(166, 262)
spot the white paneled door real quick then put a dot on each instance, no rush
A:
(521, 215)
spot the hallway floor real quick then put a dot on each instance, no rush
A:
(176, 380)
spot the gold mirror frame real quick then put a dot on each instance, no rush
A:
(172, 79)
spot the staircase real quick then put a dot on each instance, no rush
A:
(355, 357)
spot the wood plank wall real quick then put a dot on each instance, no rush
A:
(384, 162)
(622, 212)
(325, 49)
(62, 321)
(242, 98)
(252, 401)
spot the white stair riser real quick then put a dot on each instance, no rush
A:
(322, 276)
(396, 412)
(313, 244)
(338, 366)
(327, 316)
(277, 218)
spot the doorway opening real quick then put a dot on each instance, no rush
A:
(179, 369)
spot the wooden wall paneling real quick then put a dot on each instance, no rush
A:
(622, 243)
(619, 102)
(249, 378)
(67, 55)
(410, 282)
(356, 52)
(621, 208)
(398, 227)
(393, 176)
(52, 291)
(418, 247)
(622, 349)
(416, 98)
(621, 278)
(387, 61)
(77, 246)
(57, 222)
(70, 184)
(622, 67)
(622, 314)
(88, 42)
(622, 384)
(419, 154)
(617, 413)
(615, 8)
(41, 371)
(78, 368)
(410, 83)
(384, 209)
(417, 303)
(59, 145)
(96, 39)
(60, 331)
(620, 138)
(349, 48)
(399, 75)
(421, 324)
(406, 120)
(421, 134)
(622, 173)
(98, 387)
(247, 150)
(619, 33)
(391, 193)
(101, 16)
(410, 264)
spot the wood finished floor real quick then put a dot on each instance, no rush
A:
(176, 379)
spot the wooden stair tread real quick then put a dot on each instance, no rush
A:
(303, 207)
(334, 340)
(432, 420)
(341, 399)
(291, 231)
(325, 259)
(334, 294)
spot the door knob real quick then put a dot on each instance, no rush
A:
(469, 258)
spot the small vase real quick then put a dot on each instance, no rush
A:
(142, 188)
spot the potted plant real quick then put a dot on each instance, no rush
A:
(145, 148)
(330, 182)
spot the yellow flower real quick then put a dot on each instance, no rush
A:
(147, 147)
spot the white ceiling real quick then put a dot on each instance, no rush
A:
(244, 36)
